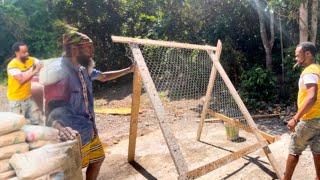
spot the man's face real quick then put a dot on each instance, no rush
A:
(300, 56)
(23, 53)
(84, 54)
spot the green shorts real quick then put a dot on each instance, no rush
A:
(306, 133)
(29, 109)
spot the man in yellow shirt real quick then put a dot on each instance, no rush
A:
(20, 71)
(306, 122)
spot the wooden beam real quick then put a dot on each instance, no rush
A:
(200, 171)
(171, 141)
(209, 89)
(137, 86)
(212, 120)
(128, 40)
(230, 120)
(258, 116)
(268, 137)
(246, 114)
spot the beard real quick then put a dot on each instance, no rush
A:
(24, 58)
(83, 60)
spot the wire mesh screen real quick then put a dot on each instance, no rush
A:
(222, 101)
(181, 77)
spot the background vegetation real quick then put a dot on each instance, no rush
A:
(237, 23)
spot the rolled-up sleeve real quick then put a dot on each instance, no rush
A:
(95, 74)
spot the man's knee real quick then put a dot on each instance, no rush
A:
(15, 107)
(96, 164)
(34, 113)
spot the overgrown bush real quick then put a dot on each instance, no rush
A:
(258, 87)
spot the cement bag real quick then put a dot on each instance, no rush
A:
(7, 151)
(40, 143)
(5, 166)
(12, 138)
(51, 72)
(10, 122)
(38, 162)
(35, 133)
(7, 175)
(14, 178)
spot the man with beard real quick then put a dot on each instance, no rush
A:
(20, 71)
(73, 112)
(305, 124)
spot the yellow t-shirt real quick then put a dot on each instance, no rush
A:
(17, 91)
(314, 112)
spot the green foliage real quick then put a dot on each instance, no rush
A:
(290, 86)
(31, 22)
(258, 87)
(40, 23)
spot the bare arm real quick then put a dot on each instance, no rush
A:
(27, 76)
(311, 98)
(111, 75)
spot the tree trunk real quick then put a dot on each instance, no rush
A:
(267, 42)
(303, 21)
(268, 59)
(314, 21)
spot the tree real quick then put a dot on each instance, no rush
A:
(305, 33)
(268, 41)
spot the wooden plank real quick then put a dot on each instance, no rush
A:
(209, 89)
(258, 116)
(172, 44)
(212, 120)
(246, 114)
(171, 141)
(268, 137)
(137, 86)
(200, 171)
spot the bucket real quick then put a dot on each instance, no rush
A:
(232, 131)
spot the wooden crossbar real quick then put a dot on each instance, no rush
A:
(268, 137)
(129, 40)
(200, 171)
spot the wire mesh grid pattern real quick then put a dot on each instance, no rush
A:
(181, 77)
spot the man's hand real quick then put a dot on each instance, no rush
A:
(38, 67)
(292, 124)
(65, 133)
(131, 68)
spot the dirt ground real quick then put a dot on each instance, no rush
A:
(153, 160)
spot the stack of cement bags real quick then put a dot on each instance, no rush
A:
(12, 140)
(61, 161)
(47, 159)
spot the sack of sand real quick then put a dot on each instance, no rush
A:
(45, 160)
(40, 143)
(10, 122)
(12, 138)
(35, 133)
(7, 151)
(5, 166)
(7, 174)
